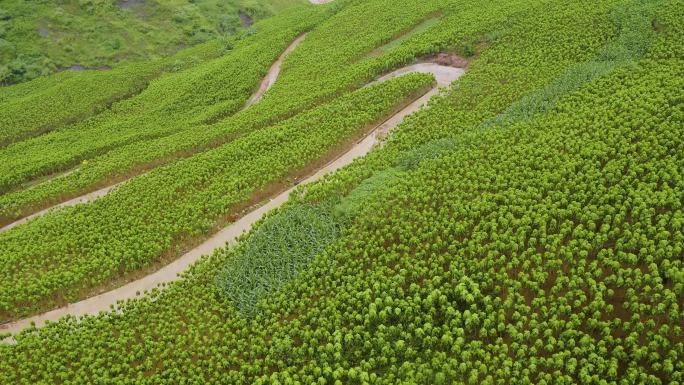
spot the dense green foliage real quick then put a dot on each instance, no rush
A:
(525, 228)
(41, 37)
(168, 104)
(277, 252)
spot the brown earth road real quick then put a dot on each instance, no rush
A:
(273, 72)
(93, 305)
(265, 85)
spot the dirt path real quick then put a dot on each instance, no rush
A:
(72, 202)
(273, 72)
(93, 305)
(265, 85)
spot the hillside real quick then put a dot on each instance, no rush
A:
(41, 37)
(356, 192)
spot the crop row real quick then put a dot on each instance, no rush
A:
(170, 103)
(49, 103)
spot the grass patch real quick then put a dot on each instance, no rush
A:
(276, 252)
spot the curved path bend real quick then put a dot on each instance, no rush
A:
(93, 305)
(265, 85)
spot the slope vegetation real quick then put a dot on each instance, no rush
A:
(525, 227)
(102, 302)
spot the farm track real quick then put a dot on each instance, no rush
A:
(444, 76)
(71, 202)
(265, 85)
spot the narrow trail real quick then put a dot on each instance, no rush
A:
(265, 85)
(71, 202)
(444, 76)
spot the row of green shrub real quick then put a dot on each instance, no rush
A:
(177, 101)
(56, 101)
(154, 218)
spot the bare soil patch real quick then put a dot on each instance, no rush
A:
(79, 68)
(128, 4)
(245, 19)
(447, 59)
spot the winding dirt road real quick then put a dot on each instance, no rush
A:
(443, 75)
(72, 202)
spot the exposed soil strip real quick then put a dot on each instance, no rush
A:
(93, 305)
(245, 19)
(273, 72)
(128, 4)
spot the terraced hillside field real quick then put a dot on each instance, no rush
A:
(357, 192)
(38, 38)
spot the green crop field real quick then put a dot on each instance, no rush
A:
(42, 37)
(521, 222)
